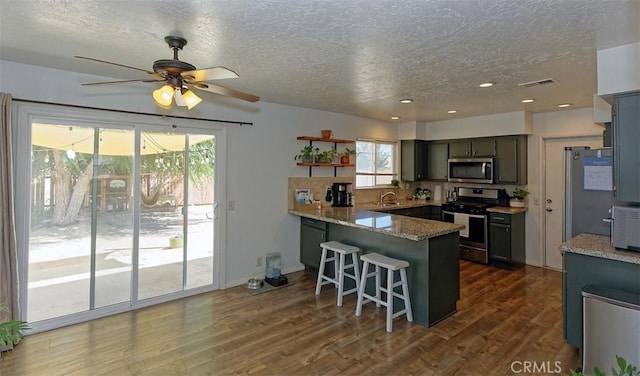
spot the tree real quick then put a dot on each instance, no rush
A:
(68, 196)
(72, 177)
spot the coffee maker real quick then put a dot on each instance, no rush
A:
(341, 194)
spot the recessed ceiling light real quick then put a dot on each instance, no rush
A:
(564, 105)
(408, 100)
(528, 100)
(487, 84)
(395, 118)
(452, 111)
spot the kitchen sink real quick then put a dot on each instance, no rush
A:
(385, 204)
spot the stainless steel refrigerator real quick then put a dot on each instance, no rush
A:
(588, 191)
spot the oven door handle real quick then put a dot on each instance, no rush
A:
(470, 215)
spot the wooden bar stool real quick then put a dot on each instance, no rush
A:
(340, 251)
(391, 265)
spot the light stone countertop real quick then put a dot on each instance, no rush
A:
(362, 217)
(402, 204)
(598, 246)
(506, 210)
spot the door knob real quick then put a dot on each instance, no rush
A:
(549, 209)
(549, 201)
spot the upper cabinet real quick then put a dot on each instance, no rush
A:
(413, 159)
(437, 161)
(428, 160)
(481, 147)
(626, 153)
(511, 160)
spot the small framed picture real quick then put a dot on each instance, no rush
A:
(303, 196)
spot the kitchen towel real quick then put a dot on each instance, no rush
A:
(462, 219)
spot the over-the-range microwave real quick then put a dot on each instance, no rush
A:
(471, 170)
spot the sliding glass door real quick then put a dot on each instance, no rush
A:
(176, 213)
(118, 216)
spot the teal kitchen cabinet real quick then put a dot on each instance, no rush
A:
(437, 161)
(312, 233)
(413, 160)
(507, 239)
(511, 160)
(473, 148)
(626, 153)
(580, 270)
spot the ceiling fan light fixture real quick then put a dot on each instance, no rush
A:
(191, 99)
(178, 97)
(164, 95)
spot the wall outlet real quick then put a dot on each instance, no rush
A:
(259, 261)
(536, 201)
(232, 205)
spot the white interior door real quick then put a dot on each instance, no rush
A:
(554, 192)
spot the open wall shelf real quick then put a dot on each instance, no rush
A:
(335, 142)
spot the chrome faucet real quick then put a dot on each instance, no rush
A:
(384, 195)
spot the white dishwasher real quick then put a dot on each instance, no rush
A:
(611, 327)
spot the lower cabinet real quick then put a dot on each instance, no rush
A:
(312, 233)
(583, 270)
(425, 212)
(435, 213)
(507, 239)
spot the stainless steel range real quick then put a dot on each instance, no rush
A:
(470, 209)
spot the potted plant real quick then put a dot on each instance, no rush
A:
(395, 183)
(422, 193)
(11, 332)
(625, 369)
(345, 156)
(332, 156)
(324, 157)
(307, 154)
(519, 196)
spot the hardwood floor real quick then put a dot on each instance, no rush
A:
(503, 317)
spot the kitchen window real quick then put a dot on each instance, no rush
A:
(376, 163)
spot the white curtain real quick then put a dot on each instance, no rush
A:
(8, 247)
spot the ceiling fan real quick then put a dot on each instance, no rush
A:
(179, 77)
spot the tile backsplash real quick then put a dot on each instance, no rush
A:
(318, 186)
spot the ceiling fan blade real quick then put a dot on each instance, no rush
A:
(118, 64)
(226, 91)
(119, 82)
(208, 74)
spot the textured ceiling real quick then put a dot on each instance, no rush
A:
(350, 56)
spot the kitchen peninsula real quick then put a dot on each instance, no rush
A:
(431, 248)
